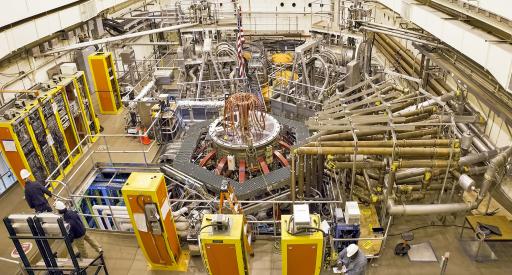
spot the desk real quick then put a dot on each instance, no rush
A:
(478, 244)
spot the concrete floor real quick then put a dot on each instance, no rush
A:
(266, 261)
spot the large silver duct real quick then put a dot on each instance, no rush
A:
(427, 209)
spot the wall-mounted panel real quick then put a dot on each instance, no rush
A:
(47, 25)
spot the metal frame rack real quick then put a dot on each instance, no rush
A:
(37, 135)
(105, 82)
(17, 143)
(80, 104)
(44, 229)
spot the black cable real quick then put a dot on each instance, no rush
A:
(305, 230)
(425, 226)
(208, 225)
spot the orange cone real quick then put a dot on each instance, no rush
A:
(144, 139)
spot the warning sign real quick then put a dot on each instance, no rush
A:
(26, 248)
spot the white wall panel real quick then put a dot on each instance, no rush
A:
(28, 32)
(70, 16)
(475, 43)
(499, 7)
(48, 24)
(21, 35)
(499, 62)
(20, 9)
(16, 11)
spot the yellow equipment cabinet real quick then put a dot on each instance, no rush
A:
(80, 105)
(42, 143)
(17, 144)
(301, 254)
(105, 82)
(223, 251)
(145, 195)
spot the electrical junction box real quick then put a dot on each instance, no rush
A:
(301, 215)
(352, 213)
(338, 215)
(224, 252)
(68, 69)
(301, 253)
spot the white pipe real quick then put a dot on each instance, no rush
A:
(427, 209)
(145, 90)
(96, 208)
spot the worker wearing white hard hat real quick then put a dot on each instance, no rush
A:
(77, 230)
(352, 260)
(34, 193)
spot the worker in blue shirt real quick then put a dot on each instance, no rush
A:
(352, 260)
(34, 193)
(77, 230)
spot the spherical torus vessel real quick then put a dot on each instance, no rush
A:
(244, 131)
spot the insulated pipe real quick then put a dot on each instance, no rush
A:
(490, 175)
(409, 173)
(385, 143)
(366, 164)
(416, 152)
(479, 144)
(416, 134)
(416, 110)
(479, 157)
(191, 74)
(301, 176)
(427, 209)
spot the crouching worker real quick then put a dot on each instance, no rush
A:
(352, 260)
(77, 230)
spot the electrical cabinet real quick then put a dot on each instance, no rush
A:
(223, 251)
(105, 82)
(145, 196)
(65, 123)
(80, 105)
(17, 144)
(38, 133)
(301, 253)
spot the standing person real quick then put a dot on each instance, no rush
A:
(353, 260)
(77, 230)
(34, 193)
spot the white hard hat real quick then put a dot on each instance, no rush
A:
(59, 205)
(352, 249)
(24, 173)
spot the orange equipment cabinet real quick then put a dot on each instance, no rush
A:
(105, 82)
(145, 196)
(301, 254)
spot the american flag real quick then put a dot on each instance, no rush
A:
(240, 43)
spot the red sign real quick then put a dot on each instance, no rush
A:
(26, 248)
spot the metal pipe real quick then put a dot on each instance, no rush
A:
(490, 175)
(301, 176)
(424, 151)
(386, 143)
(427, 209)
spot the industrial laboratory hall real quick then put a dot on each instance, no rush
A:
(256, 137)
